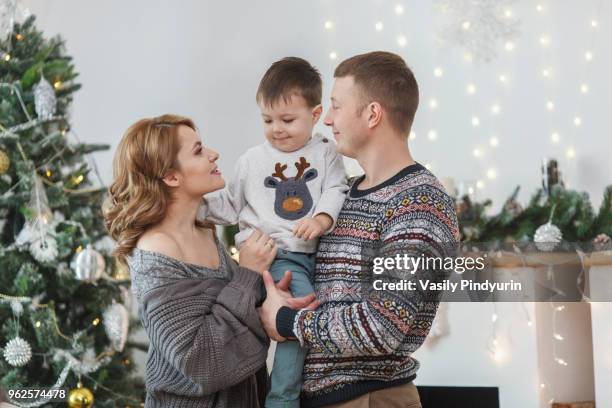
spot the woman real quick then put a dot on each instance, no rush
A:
(198, 307)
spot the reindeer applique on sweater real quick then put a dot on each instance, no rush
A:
(293, 199)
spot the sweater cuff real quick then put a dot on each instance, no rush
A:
(285, 318)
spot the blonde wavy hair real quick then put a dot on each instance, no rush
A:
(138, 198)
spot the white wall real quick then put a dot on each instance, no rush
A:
(463, 359)
(204, 59)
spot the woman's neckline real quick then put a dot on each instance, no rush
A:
(197, 266)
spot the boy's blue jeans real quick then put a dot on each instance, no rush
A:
(286, 377)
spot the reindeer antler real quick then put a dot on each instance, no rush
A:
(278, 171)
(301, 166)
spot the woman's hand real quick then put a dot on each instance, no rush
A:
(258, 252)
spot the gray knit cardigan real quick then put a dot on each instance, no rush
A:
(207, 347)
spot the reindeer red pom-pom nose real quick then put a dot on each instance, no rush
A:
(293, 204)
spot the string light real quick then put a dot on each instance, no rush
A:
(468, 57)
(428, 166)
(333, 55)
(378, 26)
(96, 321)
(491, 174)
(38, 323)
(495, 109)
(401, 40)
(557, 336)
(550, 105)
(509, 46)
(493, 344)
(544, 40)
(57, 84)
(466, 25)
(588, 56)
(539, 8)
(19, 37)
(594, 23)
(570, 153)
(584, 88)
(399, 9)
(577, 121)
(494, 141)
(471, 89)
(508, 13)
(477, 152)
(329, 25)
(502, 78)
(545, 73)
(438, 72)
(7, 57)
(475, 121)
(432, 135)
(555, 137)
(499, 355)
(433, 103)
(412, 135)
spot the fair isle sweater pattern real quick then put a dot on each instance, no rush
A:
(358, 335)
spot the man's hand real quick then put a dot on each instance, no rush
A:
(277, 296)
(311, 228)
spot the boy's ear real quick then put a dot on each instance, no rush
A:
(316, 113)
(171, 179)
(374, 112)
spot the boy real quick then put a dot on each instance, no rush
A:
(292, 188)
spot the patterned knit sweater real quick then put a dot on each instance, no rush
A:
(207, 347)
(361, 339)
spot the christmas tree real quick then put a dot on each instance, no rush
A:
(63, 316)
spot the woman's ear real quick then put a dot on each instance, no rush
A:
(316, 113)
(171, 179)
(375, 113)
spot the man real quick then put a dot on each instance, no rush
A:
(361, 337)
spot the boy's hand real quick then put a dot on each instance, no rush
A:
(311, 228)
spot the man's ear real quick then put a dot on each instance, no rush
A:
(171, 179)
(374, 112)
(316, 113)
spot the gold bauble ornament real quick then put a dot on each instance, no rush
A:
(120, 271)
(5, 162)
(80, 397)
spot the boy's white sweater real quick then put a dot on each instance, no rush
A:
(264, 195)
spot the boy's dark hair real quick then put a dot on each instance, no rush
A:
(289, 75)
(385, 78)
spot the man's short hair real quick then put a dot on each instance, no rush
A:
(289, 76)
(385, 78)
